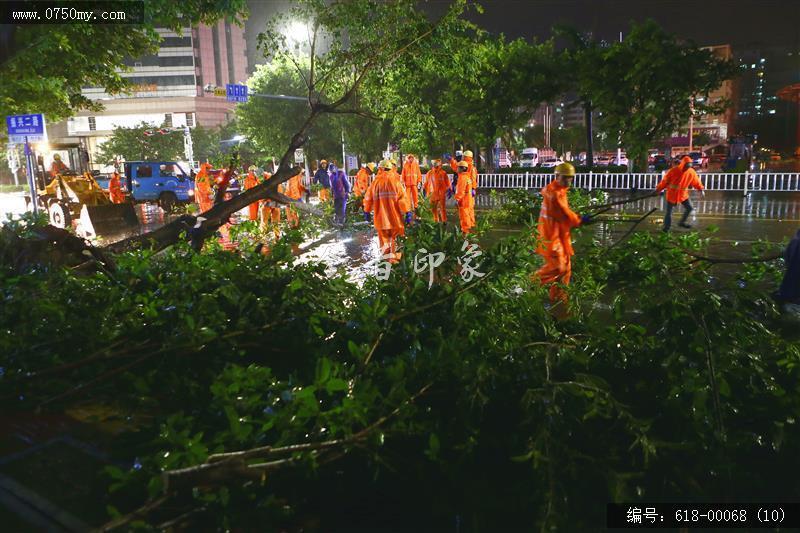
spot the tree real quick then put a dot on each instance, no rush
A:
(363, 38)
(132, 144)
(49, 64)
(473, 88)
(270, 122)
(645, 84)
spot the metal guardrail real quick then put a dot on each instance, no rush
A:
(736, 182)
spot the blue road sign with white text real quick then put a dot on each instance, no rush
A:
(236, 93)
(22, 126)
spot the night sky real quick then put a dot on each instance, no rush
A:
(741, 23)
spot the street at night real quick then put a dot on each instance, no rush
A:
(400, 265)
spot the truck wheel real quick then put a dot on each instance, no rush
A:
(59, 215)
(167, 201)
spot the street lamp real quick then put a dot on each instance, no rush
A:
(297, 32)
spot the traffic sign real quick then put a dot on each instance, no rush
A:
(299, 157)
(236, 93)
(219, 91)
(26, 127)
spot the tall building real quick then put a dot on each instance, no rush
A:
(765, 69)
(718, 127)
(167, 87)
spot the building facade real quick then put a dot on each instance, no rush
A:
(168, 88)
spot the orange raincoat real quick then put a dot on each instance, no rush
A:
(250, 181)
(437, 183)
(270, 209)
(411, 176)
(362, 182)
(473, 172)
(387, 199)
(555, 242)
(202, 188)
(58, 167)
(294, 190)
(678, 180)
(466, 203)
(115, 189)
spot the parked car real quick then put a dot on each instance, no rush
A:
(603, 160)
(699, 159)
(659, 162)
(622, 160)
(550, 162)
(774, 156)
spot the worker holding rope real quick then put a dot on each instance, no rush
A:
(556, 219)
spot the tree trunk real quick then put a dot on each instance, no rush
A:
(587, 110)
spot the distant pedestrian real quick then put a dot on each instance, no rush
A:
(322, 177)
(677, 181)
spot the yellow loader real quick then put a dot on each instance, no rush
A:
(70, 196)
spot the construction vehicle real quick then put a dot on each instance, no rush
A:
(76, 196)
(72, 196)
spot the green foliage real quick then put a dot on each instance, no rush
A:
(133, 145)
(50, 64)
(668, 381)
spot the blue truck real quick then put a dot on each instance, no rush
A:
(162, 182)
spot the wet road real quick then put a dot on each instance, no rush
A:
(772, 217)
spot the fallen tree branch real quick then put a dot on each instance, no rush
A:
(733, 260)
(632, 228)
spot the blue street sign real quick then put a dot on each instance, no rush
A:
(21, 127)
(236, 93)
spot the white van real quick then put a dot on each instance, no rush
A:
(529, 157)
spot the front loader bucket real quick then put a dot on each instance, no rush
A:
(107, 219)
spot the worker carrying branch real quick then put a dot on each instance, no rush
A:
(556, 219)
(677, 181)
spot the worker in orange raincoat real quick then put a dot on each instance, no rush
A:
(250, 181)
(411, 177)
(271, 210)
(677, 181)
(438, 189)
(362, 179)
(294, 190)
(473, 171)
(387, 199)
(555, 242)
(115, 189)
(58, 166)
(465, 198)
(203, 193)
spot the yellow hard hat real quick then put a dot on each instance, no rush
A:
(57, 157)
(386, 164)
(251, 168)
(436, 161)
(463, 164)
(371, 166)
(565, 169)
(323, 161)
(467, 153)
